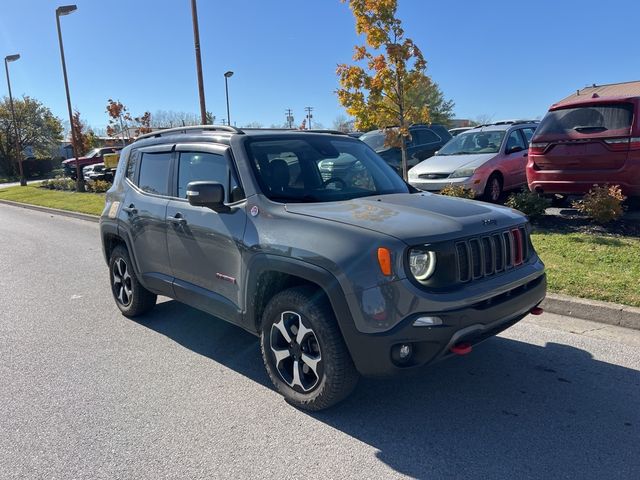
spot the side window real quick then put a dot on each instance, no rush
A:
(154, 173)
(196, 166)
(424, 136)
(528, 134)
(132, 166)
(514, 140)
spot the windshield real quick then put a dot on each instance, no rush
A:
(470, 143)
(320, 169)
(93, 153)
(374, 139)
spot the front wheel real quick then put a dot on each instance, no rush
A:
(304, 352)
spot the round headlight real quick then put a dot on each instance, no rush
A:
(422, 263)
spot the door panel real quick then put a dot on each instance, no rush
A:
(515, 163)
(143, 215)
(205, 247)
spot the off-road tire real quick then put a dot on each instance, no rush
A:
(338, 375)
(139, 300)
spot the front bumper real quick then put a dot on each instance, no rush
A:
(474, 183)
(371, 352)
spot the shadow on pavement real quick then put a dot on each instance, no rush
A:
(510, 409)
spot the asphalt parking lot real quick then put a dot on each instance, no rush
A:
(87, 393)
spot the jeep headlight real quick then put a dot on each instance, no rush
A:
(422, 263)
(463, 173)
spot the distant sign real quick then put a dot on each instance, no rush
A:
(28, 151)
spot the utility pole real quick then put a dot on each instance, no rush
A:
(289, 117)
(196, 42)
(309, 116)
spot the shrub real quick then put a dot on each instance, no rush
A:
(98, 186)
(602, 204)
(529, 203)
(459, 191)
(59, 184)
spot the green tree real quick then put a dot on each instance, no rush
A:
(427, 92)
(379, 92)
(37, 127)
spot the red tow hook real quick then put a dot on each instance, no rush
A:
(536, 311)
(461, 348)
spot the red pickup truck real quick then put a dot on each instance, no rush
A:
(94, 156)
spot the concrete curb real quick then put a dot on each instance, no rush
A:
(54, 211)
(594, 310)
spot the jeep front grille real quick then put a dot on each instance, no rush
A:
(487, 255)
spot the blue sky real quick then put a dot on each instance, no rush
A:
(499, 58)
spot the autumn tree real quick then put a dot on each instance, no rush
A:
(427, 92)
(377, 91)
(119, 117)
(143, 124)
(37, 127)
(86, 139)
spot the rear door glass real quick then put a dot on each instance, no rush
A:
(600, 119)
(154, 173)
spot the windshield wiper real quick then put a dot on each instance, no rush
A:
(581, 128)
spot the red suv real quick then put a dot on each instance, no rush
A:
(587, 142)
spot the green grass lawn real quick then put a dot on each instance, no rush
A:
(592, 266)
(91, 203)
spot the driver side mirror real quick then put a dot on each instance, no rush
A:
(207, 194)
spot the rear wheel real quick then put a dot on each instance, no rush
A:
(131, 297)
(304, 352)
(493, 189)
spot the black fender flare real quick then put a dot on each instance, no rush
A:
(312, 273)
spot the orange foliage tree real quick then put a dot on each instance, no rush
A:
(378, 93)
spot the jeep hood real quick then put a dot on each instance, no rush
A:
(414, 218)
(451, 163)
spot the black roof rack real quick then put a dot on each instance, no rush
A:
(507, 122)
(190, 128)
(323, 130)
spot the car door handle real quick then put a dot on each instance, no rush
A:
(177, 219)
(131, 209)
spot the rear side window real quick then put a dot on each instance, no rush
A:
(423, 136)
(132, 166)
(528, 134)
(154, 173)
(610, 118)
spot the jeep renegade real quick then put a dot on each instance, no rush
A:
(313, 243)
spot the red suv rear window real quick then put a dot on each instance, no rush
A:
(614, 118)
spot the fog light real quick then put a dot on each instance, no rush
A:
(405, 351)
(427, 322)
(402, 353)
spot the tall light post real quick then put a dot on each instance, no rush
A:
(60, 11)
(196, 42)
(227, 75)
(7, 59)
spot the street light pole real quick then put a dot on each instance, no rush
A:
(196, 41)
(7, 59)
(60, 11)
(227, 75)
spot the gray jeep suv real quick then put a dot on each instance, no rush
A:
(313, 243)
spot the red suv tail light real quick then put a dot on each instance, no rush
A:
(623, 144)
(538, 148)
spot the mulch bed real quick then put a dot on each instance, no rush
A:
(570, 222)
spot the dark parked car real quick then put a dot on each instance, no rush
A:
(594, 140)
(425, 141)
(94, 156)
(314, 244)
